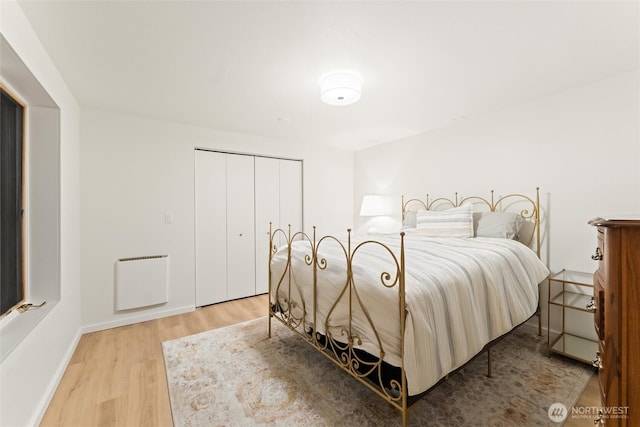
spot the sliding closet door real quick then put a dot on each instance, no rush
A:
(291, 194)
(241, 280)
(237, 196)
(267, 210)
(211, 227)
(279, 201)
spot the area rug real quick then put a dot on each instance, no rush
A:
(236, 376)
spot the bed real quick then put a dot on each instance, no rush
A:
(401, 311)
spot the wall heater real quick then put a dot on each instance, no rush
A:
(141, 281)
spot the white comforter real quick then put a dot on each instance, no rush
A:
(460, 294)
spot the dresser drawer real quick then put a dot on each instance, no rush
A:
(602, 377)
(598, 299)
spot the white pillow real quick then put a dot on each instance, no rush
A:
(454, 222)
(497, 224)
(409, 220)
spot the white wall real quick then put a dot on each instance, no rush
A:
(580, 146)
(135, 169)
(30, 373)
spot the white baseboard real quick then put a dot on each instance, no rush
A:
(130, 320)
(36, 419)
(544, 330)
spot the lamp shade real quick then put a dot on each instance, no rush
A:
(373, 205)
(340, 88)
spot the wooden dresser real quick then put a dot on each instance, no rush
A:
(617, 318)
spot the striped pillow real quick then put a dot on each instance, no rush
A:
(455, 222)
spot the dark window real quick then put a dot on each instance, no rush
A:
(11, 211)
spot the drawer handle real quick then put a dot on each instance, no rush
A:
(597, 256)
(600, 420)
(598, 362)
(592, 305)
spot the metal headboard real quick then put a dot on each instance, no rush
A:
(527, 207)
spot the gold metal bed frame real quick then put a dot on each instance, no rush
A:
(367, 368)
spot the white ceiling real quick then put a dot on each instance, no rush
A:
(241, 66)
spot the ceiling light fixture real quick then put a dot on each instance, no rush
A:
(342, 88)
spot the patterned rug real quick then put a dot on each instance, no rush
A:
(236, 376)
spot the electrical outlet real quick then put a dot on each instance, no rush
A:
(168, 217)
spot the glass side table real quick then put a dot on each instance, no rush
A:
(570, 291)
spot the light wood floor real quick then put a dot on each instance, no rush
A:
(116, 377)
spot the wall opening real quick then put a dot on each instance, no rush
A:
(41, 199)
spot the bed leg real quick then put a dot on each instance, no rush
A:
(270, 316)
(539, 313)
(489, 362)
(405, 417)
